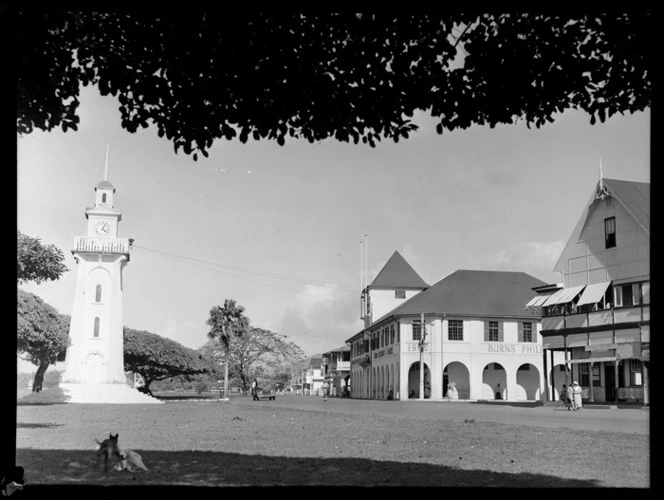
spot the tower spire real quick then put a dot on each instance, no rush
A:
(106, 163)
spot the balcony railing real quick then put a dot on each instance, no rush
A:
(597, 318)
(102, 245)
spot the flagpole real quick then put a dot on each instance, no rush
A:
(106, 163)
(367, 312)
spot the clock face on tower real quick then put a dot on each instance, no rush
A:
(102, 228)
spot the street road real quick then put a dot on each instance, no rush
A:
(634, 421)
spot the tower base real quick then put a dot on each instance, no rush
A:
(105, 394)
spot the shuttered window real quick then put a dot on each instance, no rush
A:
(493, 331)
(610, 232)
(417, 331)
(525, 331)
(455, 330)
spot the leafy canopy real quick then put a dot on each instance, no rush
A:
(158, 358)
(37, 262)
(227, 322)
(203, 76)
(41, 332)
(255, 354)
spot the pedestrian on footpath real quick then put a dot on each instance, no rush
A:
(578, 392)
(570, 398)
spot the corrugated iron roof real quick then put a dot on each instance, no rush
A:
(475, 293)
(397, 273)
(633, 196)
(340, 349)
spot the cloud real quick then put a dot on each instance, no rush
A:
(320, 318)
(532, 257)
(188, 333)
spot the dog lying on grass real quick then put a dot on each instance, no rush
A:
(108, 448)
(130, 460)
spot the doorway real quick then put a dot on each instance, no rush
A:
(609, 382)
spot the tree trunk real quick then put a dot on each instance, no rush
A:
(39, 376)
(226, 378)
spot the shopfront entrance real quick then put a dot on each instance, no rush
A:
(610, 381)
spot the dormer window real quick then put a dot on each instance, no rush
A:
(610, 232)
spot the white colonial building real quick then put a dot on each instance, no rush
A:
(599, 317)
(476, 334)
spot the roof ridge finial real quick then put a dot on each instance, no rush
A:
(602, 192)
(106, 162)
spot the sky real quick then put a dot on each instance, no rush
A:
(280, 229)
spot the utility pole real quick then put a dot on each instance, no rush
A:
(422, 337)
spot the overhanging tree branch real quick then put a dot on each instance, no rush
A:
(200, 77)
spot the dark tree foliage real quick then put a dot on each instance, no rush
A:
(158, 358)
(202, 76)
(253, 353)
(36, 262)
(42, 334)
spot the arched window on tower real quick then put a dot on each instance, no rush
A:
(98, 294)
(96, 332)
(103, 198)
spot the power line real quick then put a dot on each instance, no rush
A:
(266, 274)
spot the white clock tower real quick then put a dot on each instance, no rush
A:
(94, 364)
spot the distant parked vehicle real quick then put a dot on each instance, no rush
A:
(264, 394)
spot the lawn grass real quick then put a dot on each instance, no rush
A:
(237, 444)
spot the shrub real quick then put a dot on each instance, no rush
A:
(202, 387)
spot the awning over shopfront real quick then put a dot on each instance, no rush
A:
(553, 298)
(593, 293)
(569, 294)
(537, 301)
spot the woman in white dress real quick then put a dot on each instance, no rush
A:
(452, 391)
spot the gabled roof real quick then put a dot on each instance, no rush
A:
(633, 196)
(105, 184)
(475, 293)
(397, 273)
(313, 362)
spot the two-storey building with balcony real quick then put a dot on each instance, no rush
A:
(309, 378)
(336, 371)
(470, 328)
(599, 316)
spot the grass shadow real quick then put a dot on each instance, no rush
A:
(47, 468)
(518, 404)
(37, 426)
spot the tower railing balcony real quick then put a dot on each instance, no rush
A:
(102, 245)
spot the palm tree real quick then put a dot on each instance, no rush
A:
(226, 322)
